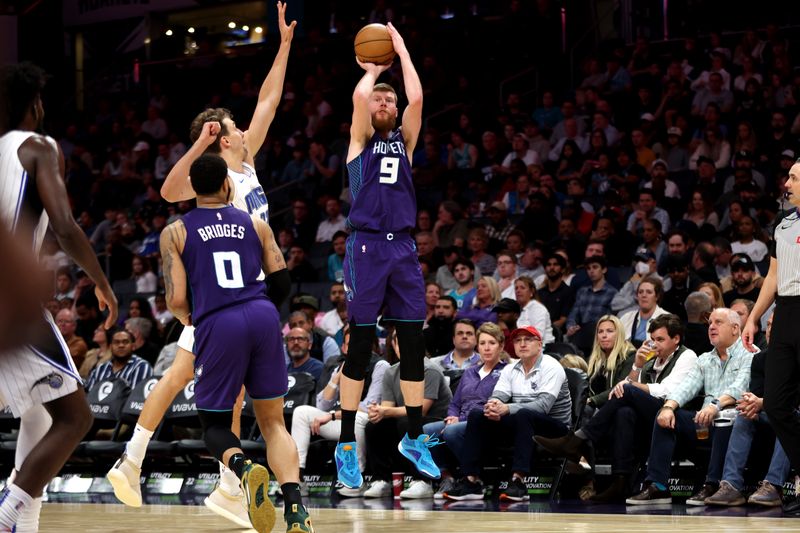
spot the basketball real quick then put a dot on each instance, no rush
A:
(374, 45)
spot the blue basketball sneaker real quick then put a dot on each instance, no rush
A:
(347, 465)
(416, 451)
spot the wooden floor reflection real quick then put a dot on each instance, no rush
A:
(106, 518)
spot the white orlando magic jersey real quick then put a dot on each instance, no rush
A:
(248, 194)
(18, 192)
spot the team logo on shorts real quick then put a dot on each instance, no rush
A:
(291, 381)
(55, 380)
(188, 391)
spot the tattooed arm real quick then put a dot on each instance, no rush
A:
(278, 280)
(173, 239)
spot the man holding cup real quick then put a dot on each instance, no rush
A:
(722, 375)
(632, 406)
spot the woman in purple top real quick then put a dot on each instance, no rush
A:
(476, 386)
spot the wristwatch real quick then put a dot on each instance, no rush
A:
(333, 414)
(715, 403)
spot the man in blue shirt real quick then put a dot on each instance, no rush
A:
(298, 346)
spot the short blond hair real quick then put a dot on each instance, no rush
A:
(384, 88)
(496, 332)
(575, 361)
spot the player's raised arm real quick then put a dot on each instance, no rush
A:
(278, 281)
(42, 158)
(173, 239)
(412, 116)
(361, 126)
(270, 94)
(177, 187)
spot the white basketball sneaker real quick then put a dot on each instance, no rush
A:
(232, 507)
(124, 477)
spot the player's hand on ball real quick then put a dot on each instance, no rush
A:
(372, 67)
(397, 39)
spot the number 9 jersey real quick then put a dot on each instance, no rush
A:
(222, 256)
(381, 186)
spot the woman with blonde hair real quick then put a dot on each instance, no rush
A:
(487, 294)
(474, 389)
(714, 292)
(611, 359)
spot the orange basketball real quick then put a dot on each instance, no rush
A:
(374, 45)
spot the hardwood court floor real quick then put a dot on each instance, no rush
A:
(105, 518)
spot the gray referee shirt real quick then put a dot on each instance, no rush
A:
(786, 249)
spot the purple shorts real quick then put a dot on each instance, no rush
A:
(235, 346)
(382, 274)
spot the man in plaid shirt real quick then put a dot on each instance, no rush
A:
(722, 375)
(591, 302)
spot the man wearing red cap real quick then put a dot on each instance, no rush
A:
(530, 398)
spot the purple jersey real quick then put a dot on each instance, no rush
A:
(381, 187)
(222, 256)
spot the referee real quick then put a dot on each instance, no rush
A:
(783, 362)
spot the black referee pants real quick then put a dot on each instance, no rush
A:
(782, 376)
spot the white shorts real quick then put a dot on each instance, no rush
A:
(186, 340)
(35, 375)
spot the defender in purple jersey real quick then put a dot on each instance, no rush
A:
(218, 251)
(381, 270)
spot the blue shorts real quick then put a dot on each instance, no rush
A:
(235, 346)
(382, 276)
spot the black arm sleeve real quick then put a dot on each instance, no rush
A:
(278, 286)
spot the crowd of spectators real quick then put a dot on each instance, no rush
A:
(569, 222)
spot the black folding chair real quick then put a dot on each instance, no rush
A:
(106, 401)
(578, 383)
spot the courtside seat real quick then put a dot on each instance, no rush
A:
(182, 416)
(106, 401)
(302, 391)
(252, 444)
(130, 416)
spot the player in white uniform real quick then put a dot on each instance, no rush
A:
(212, 131)
(19, 306)
(39, 381)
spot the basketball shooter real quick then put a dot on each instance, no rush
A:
(218, 251)
(381, 269)
(212, 131)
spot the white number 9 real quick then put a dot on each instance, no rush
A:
(390, 166)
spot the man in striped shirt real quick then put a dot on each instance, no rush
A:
(123, 363)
